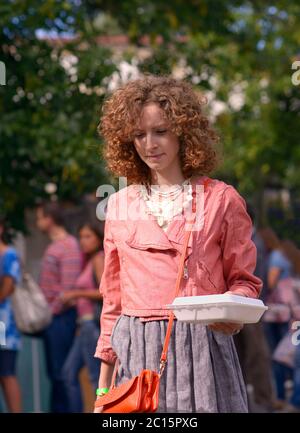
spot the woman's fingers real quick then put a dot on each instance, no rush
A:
(226, 327)
(233, 327)
(98, 409)
(219, 327)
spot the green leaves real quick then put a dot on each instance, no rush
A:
(48, 124)
(240, 52)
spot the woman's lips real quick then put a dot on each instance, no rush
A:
(155, 157)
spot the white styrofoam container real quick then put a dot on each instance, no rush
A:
(217, 308)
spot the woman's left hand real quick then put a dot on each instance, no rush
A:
(68, 297)
(226, 327)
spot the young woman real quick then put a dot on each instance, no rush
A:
(10, 274)
(158, 137)
(88, 299)
(279, 268)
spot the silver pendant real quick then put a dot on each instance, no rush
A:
(160, 220)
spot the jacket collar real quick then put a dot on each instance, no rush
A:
(146, 233)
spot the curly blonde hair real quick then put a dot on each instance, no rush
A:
(182, 108)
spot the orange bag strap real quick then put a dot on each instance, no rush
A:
(163, 358)
(113, 379)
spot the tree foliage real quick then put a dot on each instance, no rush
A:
(239, 52)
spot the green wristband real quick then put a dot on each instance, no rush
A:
(101, 391)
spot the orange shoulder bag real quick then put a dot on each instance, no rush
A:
(140, 394)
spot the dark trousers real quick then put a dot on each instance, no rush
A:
(295, 400)
(255, 361)
(58, 340)
(274, 333)
(82, 354)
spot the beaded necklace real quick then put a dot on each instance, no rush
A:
(164, 205)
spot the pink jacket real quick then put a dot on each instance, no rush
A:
(141, 260)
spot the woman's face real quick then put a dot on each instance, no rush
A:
(89, 242)
(156, 145)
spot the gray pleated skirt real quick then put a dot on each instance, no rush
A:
(202, 374)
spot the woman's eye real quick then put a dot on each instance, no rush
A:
(142, 134)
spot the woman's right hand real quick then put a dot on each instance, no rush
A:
(106, 371)
(98, 409)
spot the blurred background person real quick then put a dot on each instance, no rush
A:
(251, 342)
(276, 325)
(10, 274)
(293, 253)
(89, 306)
(60, 268)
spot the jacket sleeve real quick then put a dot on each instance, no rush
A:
(110, 288)
(238, 249)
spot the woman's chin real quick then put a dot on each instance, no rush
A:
(159, 163)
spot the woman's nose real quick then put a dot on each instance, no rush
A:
(150, 143)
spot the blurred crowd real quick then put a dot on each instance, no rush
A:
(69, 278)
(269, 351)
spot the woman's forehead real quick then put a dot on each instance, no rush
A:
(151, 115)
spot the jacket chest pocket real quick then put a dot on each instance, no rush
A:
(151, 246)
(147, 255)
(148, 259)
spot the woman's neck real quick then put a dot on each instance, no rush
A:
(58, 233)
(169, 179)
(90, 255)
(3, 247)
